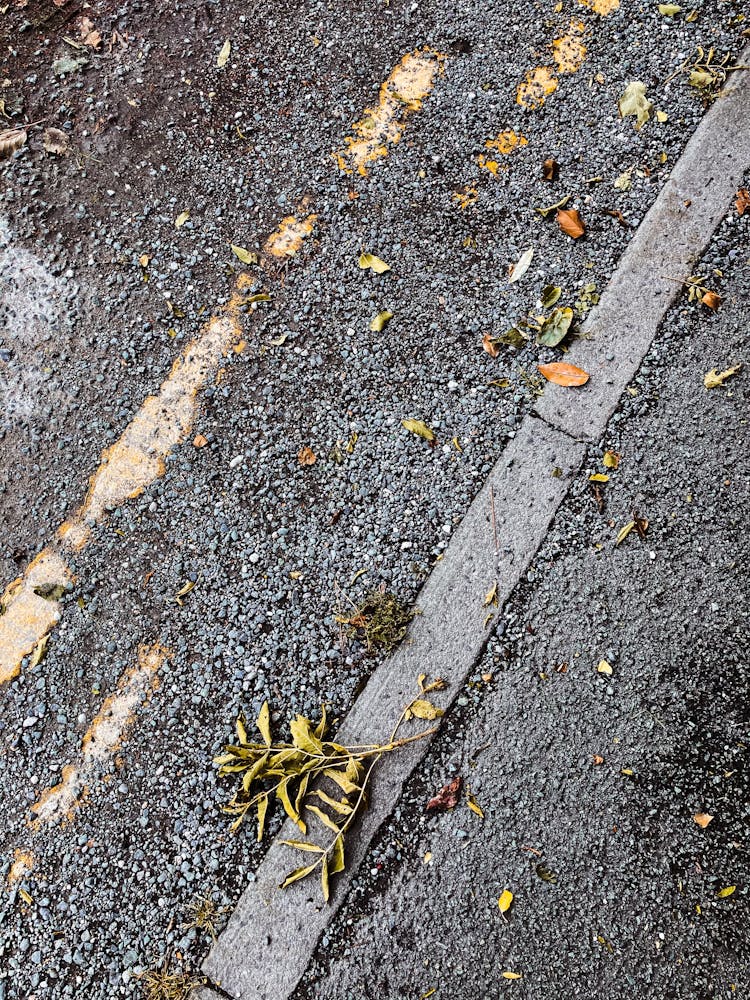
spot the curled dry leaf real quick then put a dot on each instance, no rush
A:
(223, 57)
(447, 797)
(181, 219)
(246, 256)
(506, 898)
(711, 299)
(555, 326)
(200, 441)
(604, 668)
(563, 373)
(702, 819)
(611, 459)
(489, 344)
(550, 169)
(12, 139)
(570, 222)
(634, 102)
(373, 263)
(420, 428)
(378, 323)
(307, 456)
(55, 141)
(742, 201)
(713, 379)
(521, 267)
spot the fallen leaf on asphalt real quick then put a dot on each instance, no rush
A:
(546, 874)
(490, 346)
(723, 893)
(634, 102)
(550, 295)
(491, 596)
(280, 340)
(55, 141)
(423, 709)
(604, 668)
(369, 260)
(39, 652)
(662, 116)
(511, 975)
(624, 180)
(599, 477)
(669, 9)
(627, 771)
(555, 327)
(181, 219)
(12, 139)
(563, 373)
(306, 456)
(550, 169)
(713, 379)
(711, 299)
(246, 256)
(420, 428)
(379, 322)
(544, 212)
(144, 260)
(506, 898)
(223, 57)
(88, 33)
(447, 797)
(611, 459)
(702, 819)
(742, 201)
(598, 759)
(519, 269)
(474, 805)
(571, 222)
(623, 533)
(199, 441)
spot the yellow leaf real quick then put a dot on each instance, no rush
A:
(303, 845)
(420, 428)
(623, 533)
(599, 477)
(223, 57)
(369, 260)
(662, 116)
(297, 874)
(264, 723)
(491, 596)
(506, 898)
(628, 771)
(604, 668)
(246, 256)
(378, 323)
(669, 9)
(26, 896)
(634, 102)
(39, 650)
(713, 379)
(611, 460)
(181, 219)
(422, 709)
(702, 819)
(511, 975)
(474, 805)
(723, 893)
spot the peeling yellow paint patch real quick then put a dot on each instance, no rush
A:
(602, 7)
(503, 144)
(569, 52)
(23, 862)
(536, 87)
(27, 616)
(287, 239)
(400, 96)
(102, 739)
(465, 198)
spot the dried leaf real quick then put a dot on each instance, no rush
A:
(303, 736)
(742, 201)
(303, 845)
(55, 141)
(519, 269)
(550, 295)
(223, 57)
(12, 139)
(599, 477)
(297, 874)
(511, 975)
(489, 344)
(634, 102)
(200, 441)
(447, 797)
(262, 809)
(571, 222)
(714, 379)
(624, 180)
(324, 818)
(324, 882)
(563, 373)
(723, 893)
(306, 456)
(246, 256)
(546, 874)
(280, 340)
(550, 169)
(491, 596)
(544, 212)
(337, 863)
(555, 327)
(369, 260)
(506, 898)
(474, 805)
(420, 428)
(611, 459)
(263, 723)
(604, 668)
(39, 652)
(423, 709)
(379, 322)
(711, 299)
(669, 9)
(623, 533)
(181, 219)
(702, 819)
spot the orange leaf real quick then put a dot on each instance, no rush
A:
(703, 819)
(562, 373)
(570, 222)
(743, 201)
(307, 456)
(200, 441)
(712, 300)
(490, 346)
(550, 169)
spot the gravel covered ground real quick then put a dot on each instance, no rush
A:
(156, 128)
(589, 782)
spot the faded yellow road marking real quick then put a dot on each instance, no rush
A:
(23, 862)
(569, 51)
(568, 54)
(536, 87)
(102, 739)
(27, 616)
(602, 7)
(503, 144)
(132, 463)
(400, 96)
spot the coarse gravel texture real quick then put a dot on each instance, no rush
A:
(156, 129)
(589, 782)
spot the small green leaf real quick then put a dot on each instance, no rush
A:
(555, 327)
(380, 321)
(369, 260)
(420, 428)
(264, 723)
(246, 256)
(544, 212)
(550, 295)
(297, 874)
(303, 845)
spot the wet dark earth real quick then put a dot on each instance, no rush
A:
(87, 331)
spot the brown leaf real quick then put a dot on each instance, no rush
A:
(12, 139)
(307, 456)
(598, 759)
(55, 141)
(703, 819)
(199, 441)
(550, 169)
(570, 222)
(447, 797)
(563, 373)
(488, 343)
(743, 201)
(712, 300)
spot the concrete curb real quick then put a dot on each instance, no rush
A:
(271, 936)
(672, 236)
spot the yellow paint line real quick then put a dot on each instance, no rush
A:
(102, 739)
(27, 616)
(383, 125)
